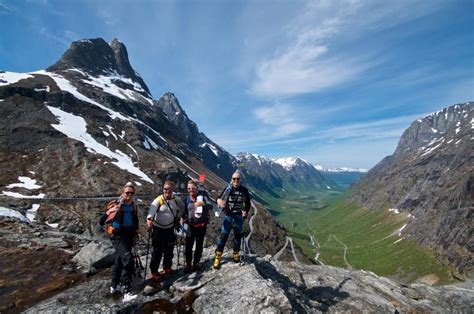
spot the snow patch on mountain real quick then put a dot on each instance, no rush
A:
(75, 127)
(66, 86)
(288, 162)
(25, 182)
(7, 78)
(107, 84)
(211, 147)
(318, 167)
(149, 144)
(7, 212)
(18, 195)
(31, 213)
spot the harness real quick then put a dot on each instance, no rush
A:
(161, 201)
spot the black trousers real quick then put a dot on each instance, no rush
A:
(122, 270)
(196, 235)
(163, 241)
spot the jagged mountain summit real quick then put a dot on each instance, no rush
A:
(430, 177)
(99, 59)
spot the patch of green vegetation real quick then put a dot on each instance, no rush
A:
(371, 238)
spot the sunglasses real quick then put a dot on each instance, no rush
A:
(167, 189)
(129, 193)
(235, 179)
(192, 189)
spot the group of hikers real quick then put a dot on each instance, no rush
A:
(168, 213)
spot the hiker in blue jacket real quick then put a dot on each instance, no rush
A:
(122, 226)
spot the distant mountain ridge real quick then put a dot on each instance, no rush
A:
(431, 177)
(281, 176)
(345, 169)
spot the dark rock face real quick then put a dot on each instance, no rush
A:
(97, 57)
(212, 155)
(431, 176)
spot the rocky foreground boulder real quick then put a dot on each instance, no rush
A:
(262, 284)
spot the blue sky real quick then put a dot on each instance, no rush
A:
(333, 82)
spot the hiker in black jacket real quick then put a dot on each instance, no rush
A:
(236, 207)
(121, 219)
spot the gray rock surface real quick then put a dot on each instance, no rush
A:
(95, 255)
(261, 285)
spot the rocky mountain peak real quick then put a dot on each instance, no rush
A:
(169, 104)
(253, 158)
(289, 162)
(121, 57)
(97, 58)
(439, 124)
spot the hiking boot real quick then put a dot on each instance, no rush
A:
(114, 290)
(188, 269)
(197, 267)
(217, 260)
(155, 277)
(166, 271)
(236, 257)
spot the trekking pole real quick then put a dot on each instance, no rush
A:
(147, 251)
(243, 250)
(177, 252)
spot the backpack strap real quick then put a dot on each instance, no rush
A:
(187, 200)
(161, 201)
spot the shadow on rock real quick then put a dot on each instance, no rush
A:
(300, 296)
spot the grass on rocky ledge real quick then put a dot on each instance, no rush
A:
(371, 238)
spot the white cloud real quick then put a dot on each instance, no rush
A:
(57, 38)
(108, 17)
(313, 60)
(4, 9)
(282, 117)
(389, 129)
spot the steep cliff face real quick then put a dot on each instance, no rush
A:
(431, 176)
(212, 155)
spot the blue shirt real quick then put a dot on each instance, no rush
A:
(127, 217)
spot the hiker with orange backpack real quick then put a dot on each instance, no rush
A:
(121, 220)
(163, 218)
